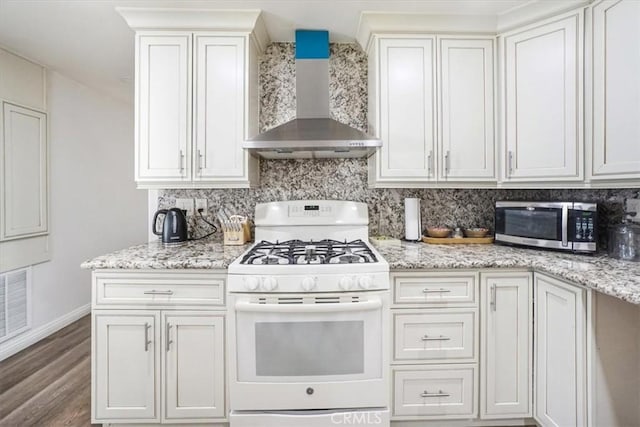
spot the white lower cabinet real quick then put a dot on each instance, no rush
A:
(126, 365)
(193, 366)
(506, 345)
(436, 335)
(156, 359)
(435, 391)
(463, 345)
(434, 368)
(560, 353)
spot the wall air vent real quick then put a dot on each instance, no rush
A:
(14, 303)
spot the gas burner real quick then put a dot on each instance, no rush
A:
(300, 252)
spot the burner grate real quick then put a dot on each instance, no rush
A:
(299, 252)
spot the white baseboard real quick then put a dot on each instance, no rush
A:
(32, 336)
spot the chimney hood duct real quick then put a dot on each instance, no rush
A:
(312, 134)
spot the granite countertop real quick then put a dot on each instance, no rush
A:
(620, 279)
(154, 255)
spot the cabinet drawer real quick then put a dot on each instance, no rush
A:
(158, 289)
(435, 288)
(447, 335)
(442, 392)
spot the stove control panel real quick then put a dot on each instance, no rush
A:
(308, 283)
(297, 211)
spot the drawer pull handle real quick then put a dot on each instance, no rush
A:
(435, 291)
(154, 292)
(438, 338)
(440, 393)
(147, 341)
(168, 337)
(492, 303)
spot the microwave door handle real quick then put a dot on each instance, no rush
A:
(246, 306)
(565, 225)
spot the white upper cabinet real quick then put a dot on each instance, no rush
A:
(196, 96)
(219, 108)
(615, 108)
(433, 102)
(466, 105)
(163, 89)
(178, 148)
(407, 110)
(542, 82)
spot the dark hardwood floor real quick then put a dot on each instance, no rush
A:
(49, 383)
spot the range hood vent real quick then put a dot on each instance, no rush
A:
(312, 134)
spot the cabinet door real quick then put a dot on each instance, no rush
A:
(466, 121)
(616, 89)
(163, 107)
(407, 114)
(543, 101)
(507, 334)
(560, 353)
(23, 168)
(126, 366)
(220, 114)
(193, 366)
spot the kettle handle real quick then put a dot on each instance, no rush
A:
(154, 227)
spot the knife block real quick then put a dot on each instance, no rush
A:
(235, 237)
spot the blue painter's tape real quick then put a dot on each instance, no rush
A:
(312, 44)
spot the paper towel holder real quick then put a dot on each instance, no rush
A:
(412, 220)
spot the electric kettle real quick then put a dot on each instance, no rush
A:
(174, 226)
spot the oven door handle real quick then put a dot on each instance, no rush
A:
(247, 306)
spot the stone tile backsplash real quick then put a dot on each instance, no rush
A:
(346, 179)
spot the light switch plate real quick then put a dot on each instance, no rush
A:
(185, 205)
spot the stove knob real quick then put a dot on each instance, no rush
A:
(251, 283)
(346, 283)
(269, 283)
(365, 282)
(309, 283)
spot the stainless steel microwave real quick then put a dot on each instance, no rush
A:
(566, 226)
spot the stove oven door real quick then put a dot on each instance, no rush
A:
(309, 352)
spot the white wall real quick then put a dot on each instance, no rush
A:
(94, 208)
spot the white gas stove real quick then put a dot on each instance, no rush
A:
(304, 246)
(309, 317)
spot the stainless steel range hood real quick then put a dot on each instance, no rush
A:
(312, 134)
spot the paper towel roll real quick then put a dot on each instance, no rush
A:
(412, 225)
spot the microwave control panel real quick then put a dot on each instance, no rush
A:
(583, 226)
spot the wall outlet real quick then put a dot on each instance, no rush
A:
(201, 204)
(185, 205)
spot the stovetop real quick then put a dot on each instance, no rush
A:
(300, 252)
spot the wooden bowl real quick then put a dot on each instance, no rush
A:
(438, 232)
(476, 232)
